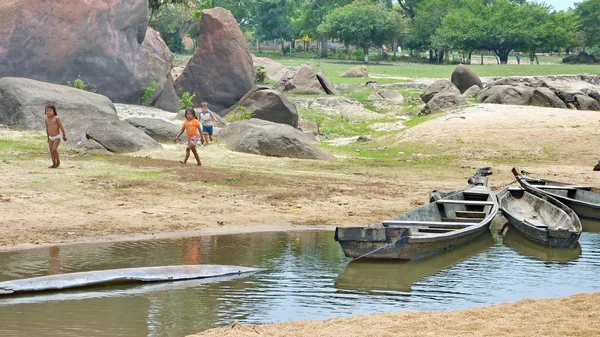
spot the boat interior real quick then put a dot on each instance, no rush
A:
(577, 192)
(535, 211)
(461, 210)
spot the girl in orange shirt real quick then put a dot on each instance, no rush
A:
(192, 128)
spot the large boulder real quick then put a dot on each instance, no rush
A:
(472, 92)
(443, 101)
(160, 130)
(275, 70)
(580, 58)
(257, 136)
(585, 102)
(270, 105)
(156, 53)
(301, 81)
(545, 97)
(358, 71)
(326, 83)
(221, 70)
(85, 115)
(506, 94)
(463, 78)
(438, 87)
(103, 42)
(387, 95)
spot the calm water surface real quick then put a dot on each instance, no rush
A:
(307, 277)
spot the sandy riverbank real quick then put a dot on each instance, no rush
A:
(149, 194)
(574, 316)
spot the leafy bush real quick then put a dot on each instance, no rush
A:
(240, 114)
(299, 48)
(148, 95)
(260, 74)
(186, 101)
(78, 83)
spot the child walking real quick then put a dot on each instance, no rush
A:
(207, 117)
(55, 131)
(192, 128)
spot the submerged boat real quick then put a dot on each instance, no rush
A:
(446, 223)
(540, 218)
(584, 200)
(122, 276)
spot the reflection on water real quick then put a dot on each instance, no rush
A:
(306, 277)
(366, 275)
(526, 247)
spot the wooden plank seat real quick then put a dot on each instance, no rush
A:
(417, 223)
(461, 219)
(436, 230)
(559, 187)
(470, 214)
(465, 202)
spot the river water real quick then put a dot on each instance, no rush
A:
(306, 277)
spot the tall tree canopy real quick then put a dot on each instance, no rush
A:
(589, 21)
(362, 24)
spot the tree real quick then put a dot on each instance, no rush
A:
(589, 21)
(156, 5)
(272, 20)
(361, 24)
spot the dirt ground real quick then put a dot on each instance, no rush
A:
(150, 194)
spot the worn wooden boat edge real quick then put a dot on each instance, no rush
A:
(556, 238)
(120, 276)
(583, 208)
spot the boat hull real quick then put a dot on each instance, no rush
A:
(401, 246)
(562, 231)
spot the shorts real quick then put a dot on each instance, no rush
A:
(208, 129)
(53, 138)
(192, 141)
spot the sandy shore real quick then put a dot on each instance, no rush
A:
(572, 316)
(150, 195)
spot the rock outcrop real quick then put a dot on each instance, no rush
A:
(275, 70)
(464, 78)
(86, 116)
(221, 70)
(303, 80)
(358, 71)
(268, 104)
(102, 42)
(257, 136)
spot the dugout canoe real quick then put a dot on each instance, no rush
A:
(121, 276)
(540, 217)
(448, 222)
(584, 200)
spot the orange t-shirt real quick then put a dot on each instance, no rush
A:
(191, 127)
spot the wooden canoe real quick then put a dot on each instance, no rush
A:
(448, 222)
(584, 200)
(120, 276)
(540, 217)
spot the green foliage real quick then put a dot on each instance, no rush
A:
(239, 114)
(186, 100)
(588, 12)
(148, 95)
(260, 74)
(362, 24)
(78, 83)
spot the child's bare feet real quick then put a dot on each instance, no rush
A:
(199, 164)
(182, 162)
(57, 164)
(52, 166)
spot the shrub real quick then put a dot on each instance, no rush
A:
(186, 101)
(240, 114)
(148, 95)
(299, 48)
(78, 83)
(260, 74)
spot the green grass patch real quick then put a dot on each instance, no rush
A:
(422, 119)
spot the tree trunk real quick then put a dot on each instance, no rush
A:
(502, 55)
(531, 57)
(446, 56)
(469, 57)
(282, 46)
(323, 46)
(395, 47)
(366, 51)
